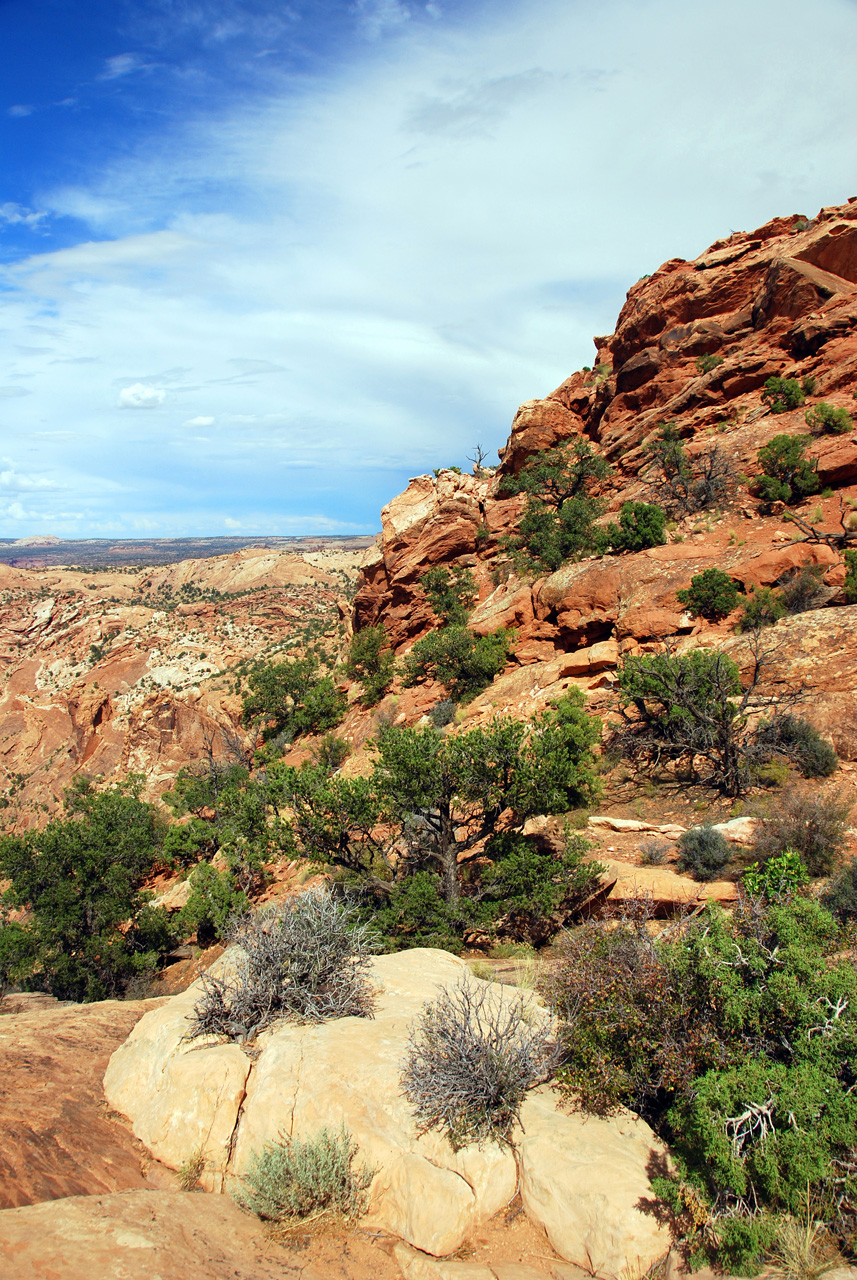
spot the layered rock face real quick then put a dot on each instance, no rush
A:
(779, 301)
(125, 670)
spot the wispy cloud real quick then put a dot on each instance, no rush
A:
(15, 215)
(123, 64)
(139, 396)
(359, 274)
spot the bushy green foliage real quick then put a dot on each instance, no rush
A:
(410, 837)
(684, 483)
(711, 594)
(826, 419)
(214, 897)
(780, 877)
(558, 522)
(298, 1178)
(554, 476)
(442, 713)
(641, 525)
(331, 752)
(705, 364)
(762, 608)
(292, 697)
(458, 658)
(850, 586)
(810, 822)
(371, 661)
(703, 852)
(782, 394)
(786, 475)
(536, 887)
(792, 736)
(546, 538)
(840, 895)
(451, 593)
(694, 708)
(80, 877)
(735, 1035)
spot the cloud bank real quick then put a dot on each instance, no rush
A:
(342, 280)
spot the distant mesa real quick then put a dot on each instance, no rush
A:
(37, 540)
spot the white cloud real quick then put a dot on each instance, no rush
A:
(18, 215)
(232, 524)
(386, 262)
(11, 479)
(19, 110)
(140, 396)
(123, 64)
(375, 17)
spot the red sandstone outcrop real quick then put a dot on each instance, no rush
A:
(781, 300)
(107, 672)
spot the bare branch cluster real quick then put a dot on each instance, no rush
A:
(473, 1054)
(306, 959)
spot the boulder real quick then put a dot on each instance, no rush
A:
(185, 1096)
(586, 1180)
(666, 890)
(140, 1235)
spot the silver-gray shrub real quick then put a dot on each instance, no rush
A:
(305, 959)
(295, 1179)
(472, 1055)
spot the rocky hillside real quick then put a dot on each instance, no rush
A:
(121, 670)
(694, 346)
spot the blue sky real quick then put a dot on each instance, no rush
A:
(259, 263)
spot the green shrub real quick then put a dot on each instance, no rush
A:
(808, 822)
(214, 897)
(410, 838)
(688, 707)
(801, 742)
(705, 364)
(703, 852)
(451, 593)
(733, 1035)
(331, 752)
(762, 608)
(824, 419)
(780, 876)
(840, 895)
(786, 476)
(292, 697)
(79, 881)
(294, 1179)
(850, 587)
(560, 511)
(803, 589)
(711, 594)
(537, 888)
(641, 525)
(458, 658)
(782, 394)
(371, 661)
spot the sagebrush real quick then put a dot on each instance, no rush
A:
(473, 1054)
(304, 959)
(294, 1179)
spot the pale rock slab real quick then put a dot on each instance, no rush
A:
(585, 1179)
